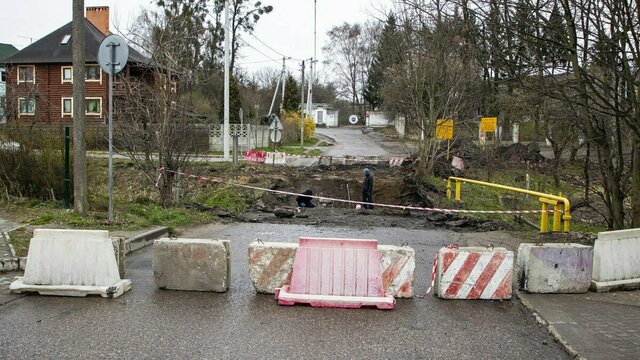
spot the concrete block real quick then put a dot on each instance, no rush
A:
(325, 160)
(554, 268)
(474, 273)
(616, 260)
(271, 264)
(71, 263)
(192, 264)
(9, 264)
(398, 270)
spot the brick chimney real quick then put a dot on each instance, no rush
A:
(99, 17)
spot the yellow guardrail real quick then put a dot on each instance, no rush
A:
(561, 206)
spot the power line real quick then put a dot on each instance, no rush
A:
(254, 48)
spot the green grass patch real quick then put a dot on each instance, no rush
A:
(20, 240)
(228, 199)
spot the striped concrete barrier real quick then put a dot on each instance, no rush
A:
(554, 268)
(71, 263)
(474, 273)
(271, 264)
(616, 260)
(192, 264)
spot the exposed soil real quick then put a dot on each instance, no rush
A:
(393, 185)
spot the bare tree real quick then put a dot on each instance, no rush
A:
(350, 51)
(155, 126)
(432, 81)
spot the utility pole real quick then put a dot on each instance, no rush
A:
(80, 191)
(315, 5)
(227, 44)
(302, 117)
(310, 95)
(284, 81)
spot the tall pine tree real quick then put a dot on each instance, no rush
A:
(387, 54)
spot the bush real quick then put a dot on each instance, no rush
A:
(291, 124)
(33, 166)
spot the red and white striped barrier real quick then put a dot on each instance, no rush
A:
(271, 264)
(395, 162)
(474, 273)
(254, 156)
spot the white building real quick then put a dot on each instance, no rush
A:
(325, 115)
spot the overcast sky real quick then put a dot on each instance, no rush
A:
(288, 29)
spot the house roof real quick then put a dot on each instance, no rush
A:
(7, 50)
(50, 48)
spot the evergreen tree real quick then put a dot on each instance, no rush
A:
(387, 54)
(291, 95)
(555, 52)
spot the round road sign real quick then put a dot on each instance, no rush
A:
(113, 54)
(353, 119)
(275, 136)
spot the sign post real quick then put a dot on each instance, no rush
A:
(444, 130)
(112, 57)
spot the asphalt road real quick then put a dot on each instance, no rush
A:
(351, 142)
(148, 322)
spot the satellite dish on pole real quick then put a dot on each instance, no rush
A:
(353, 119)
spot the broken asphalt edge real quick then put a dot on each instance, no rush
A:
(552, 330)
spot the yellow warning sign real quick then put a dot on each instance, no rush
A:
(488, 124)
(444, 129)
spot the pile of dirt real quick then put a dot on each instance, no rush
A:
(395, 186)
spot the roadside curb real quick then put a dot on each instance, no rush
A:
(144, 239)
(552, 330)
(13, 263)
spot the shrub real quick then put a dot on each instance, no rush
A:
(33, 165)
(291, 124)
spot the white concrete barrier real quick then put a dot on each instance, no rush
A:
(616, 260)
(71, 263)
(474, 273)
(271, 264)
(554, 268)
(192, 264)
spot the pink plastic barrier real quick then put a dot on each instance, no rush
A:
(344, 273)
(254, 156)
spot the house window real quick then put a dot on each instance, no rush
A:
(3, 76)
(26, 73)
(93, 73)
(67, 107)
(26, 106)
(65, 39)
(67, 74)
(94, 106)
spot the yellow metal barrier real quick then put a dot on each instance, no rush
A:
(561, 207)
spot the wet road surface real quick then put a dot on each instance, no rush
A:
(351, 142)
(148, 322)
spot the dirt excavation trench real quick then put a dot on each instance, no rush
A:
(392, 185)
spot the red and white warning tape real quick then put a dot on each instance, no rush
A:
(433, 270)
(401, 207)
